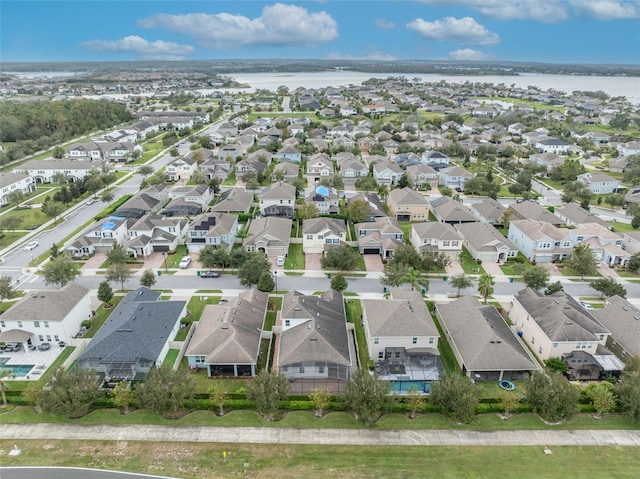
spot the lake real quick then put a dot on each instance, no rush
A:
(613, 86)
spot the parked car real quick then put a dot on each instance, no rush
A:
(31, 245)
(280, 261)
(585, 305)
(185, 262)
(90, 202)
(44, 347)
(209, 274)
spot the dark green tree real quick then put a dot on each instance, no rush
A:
(148, 278)
(358, 211)
(119, 273)
(608, 287)
(268, 389)
(71, 393)
(6, 288)
(164, 390)
(551, 396)
(536, 277)
(60, 271)
(118, 254)
(105, 293)
(266, 282)
(460, 281)
(366, 396)
(582, 261)
(394, 274)
(339, 282)
(342, 257)
(456, 397)
(250, 272)
(628, 390)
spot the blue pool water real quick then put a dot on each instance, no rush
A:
(405, 386)
(18, 370)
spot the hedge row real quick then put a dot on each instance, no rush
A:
(111, 209)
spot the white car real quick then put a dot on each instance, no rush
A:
(280, 261)
(90, 202)
(585, 305)
(185, 262)
(31, 245)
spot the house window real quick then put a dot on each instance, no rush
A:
(46, 324)
(381, 355)
(398, 355)
(376, 340)
(533, 340)
(540, 350)
(19, 324)
(56, 338)
(36, 324)
(40, 337)
(301, 369)
(321, 369)
(446, 243)
(287, 322)
(454, 243)
(320, 236)
(309, 237)
(2, 324)
(554, 345)
(48, 337)
(431, 340)
(414, 341)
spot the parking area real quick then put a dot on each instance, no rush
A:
(312, 261)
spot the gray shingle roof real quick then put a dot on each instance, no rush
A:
(137, 329)
(234, 199)
(231, 333)
(46, 305)
(315, 225)
(623, 320)
(403, 315)
(482, 338)
(435, 229)
(484, 237)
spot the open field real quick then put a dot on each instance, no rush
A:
(196, 460)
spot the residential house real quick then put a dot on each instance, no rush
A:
(489, 211)
(135, 337)
(631, 241)
(548, 160)
(402, 339)
(231, 153)
(484, 346)
(532, 210)
(422, 175)
(365, 143)
(628, 149)
(325, 198)
(147, 201)
(435, 159)
(44, 171)
(454, 177)
(154, 233)
(435, 237)
(289, 153)
(228, 129)
(540, 241)
(376, 209)
(212, 229)
(14, 182)
(269, 235)
(100, 237)
(285, 171)
(622, 319)
(103, 151)
(605, 244)
(278, 199)
(125, 135)
(382, 236)
(574, 215)
(316, 347)
(189, 200)
(252, 164)
(351, 169)
(228, 336)
(599, 183)
(551, 145)
(234, 200)
(406, 204)
(319, 165)
(320, 233)
(486, 243)
(555, 326)
(181, 169)
(213, 168)
(387, 174)
(46, 316)
(447, 210)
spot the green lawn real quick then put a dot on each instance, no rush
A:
(189, 460)
(510, 268)
(275, 305)
(196, 306)
(8, 238)
(173, 260)
(171, 357)
(469, 265)
(101, 316)
(406, 229)
(295, 258)
(30, 218)
(446, 354)
(353, 310)
(622, 227)
(567, 271)
(231, 181)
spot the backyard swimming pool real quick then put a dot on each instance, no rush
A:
(405, 386)
(17, 370)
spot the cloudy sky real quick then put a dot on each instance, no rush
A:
(557, 31)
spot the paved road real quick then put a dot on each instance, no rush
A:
(69, 473)
(350, 437)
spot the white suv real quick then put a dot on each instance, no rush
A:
(280, 261)
(185, 262)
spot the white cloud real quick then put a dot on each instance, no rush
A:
(548, 11)
(607, 9)
(371, 54)
(278, 25)
(460, 30)
(468, 54)
(385, 25)
(143, 49)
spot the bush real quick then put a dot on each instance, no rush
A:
(86, 323)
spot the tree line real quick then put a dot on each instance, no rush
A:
(28, 127)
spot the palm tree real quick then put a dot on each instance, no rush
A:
(485, 286)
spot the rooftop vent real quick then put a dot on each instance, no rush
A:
(569, 323)
(297, 308)
(625, 308)
(318, 314)
(566, 306)
(636, 317)
(313, 338)
(556, 301)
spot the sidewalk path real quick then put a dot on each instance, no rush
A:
(352, 437)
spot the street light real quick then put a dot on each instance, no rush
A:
(164, 255)
(275, 274)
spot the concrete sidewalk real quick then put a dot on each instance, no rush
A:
(353, 437)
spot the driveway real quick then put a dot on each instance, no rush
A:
(492, 268)
(454, 268)
(373, 262)
(312, 261)
(95, 261)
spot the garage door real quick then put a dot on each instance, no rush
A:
(404, 217)
(161, 248)
(371, 251)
